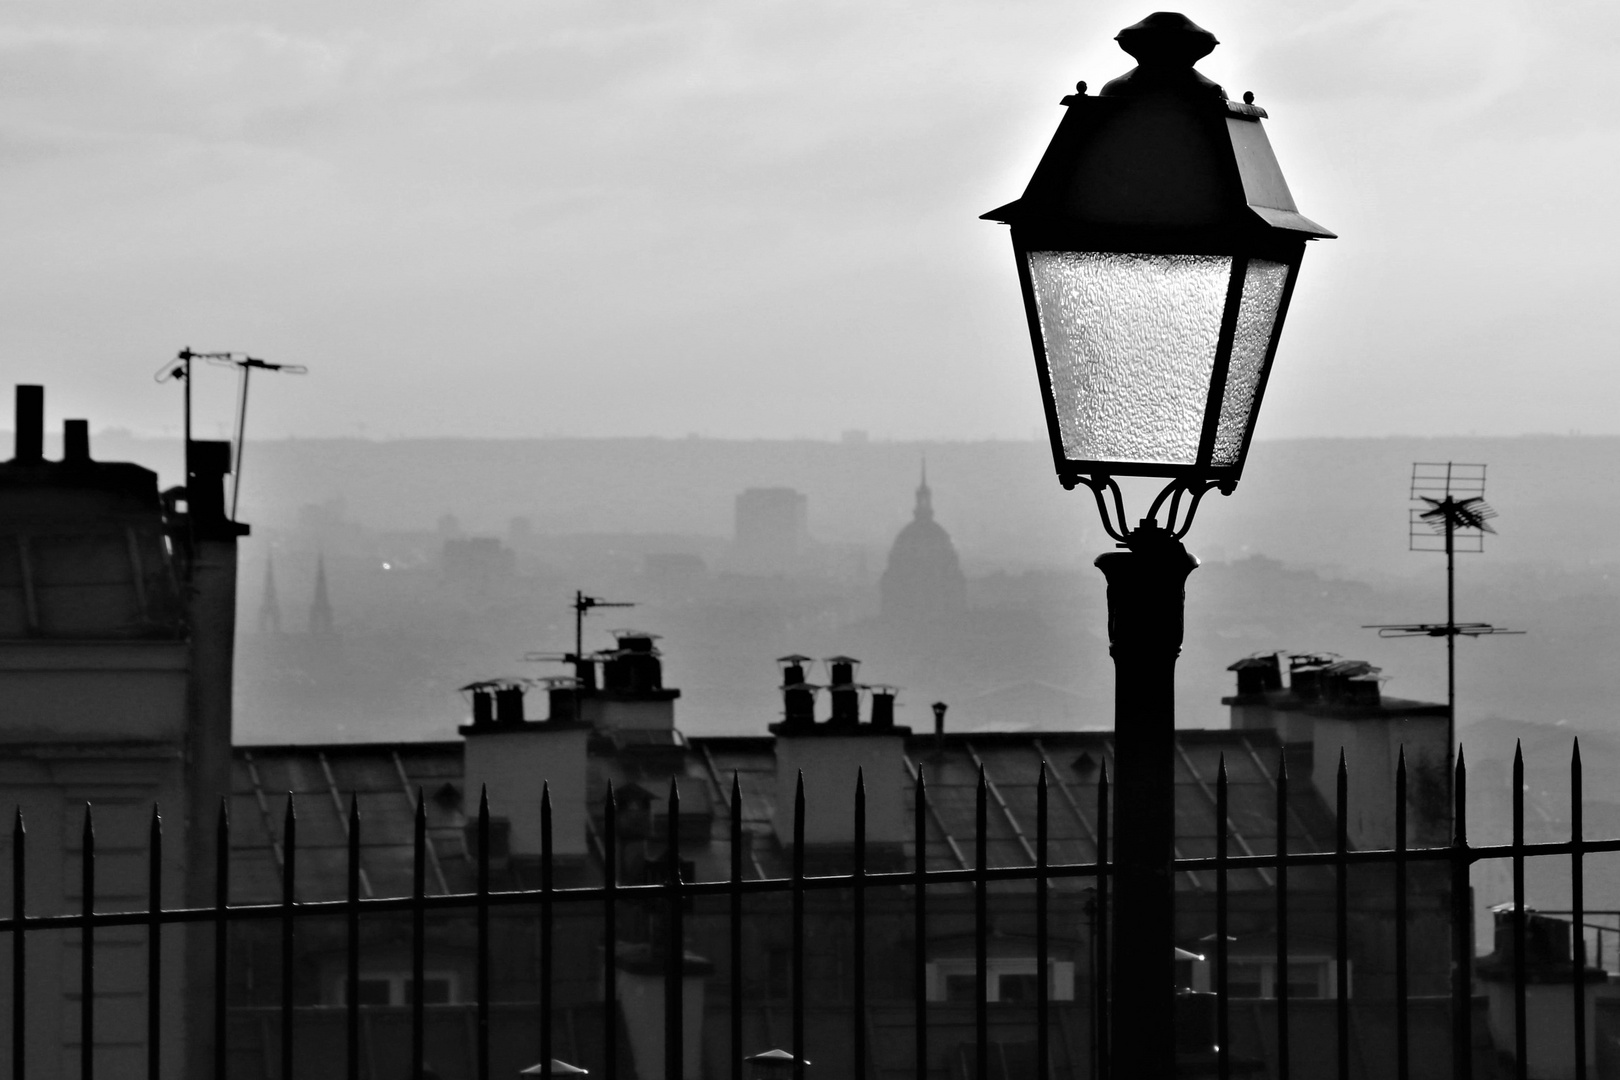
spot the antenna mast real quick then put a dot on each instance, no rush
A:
(1452, 517)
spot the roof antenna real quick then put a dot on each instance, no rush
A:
(1452, 517)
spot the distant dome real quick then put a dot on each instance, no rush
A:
(924, 577)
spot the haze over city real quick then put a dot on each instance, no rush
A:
(760, 220)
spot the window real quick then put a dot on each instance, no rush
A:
(1011, 980)
(396, 988)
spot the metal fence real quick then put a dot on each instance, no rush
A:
(673, 895)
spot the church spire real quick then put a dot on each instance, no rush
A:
(270, 603)
(320, 609)
(925, 497)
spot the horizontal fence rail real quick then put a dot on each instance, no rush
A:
(671, 898)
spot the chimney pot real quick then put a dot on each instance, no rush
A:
(509, 705)
(939, 719)
(883, 709)
(30, 425)
(76, 441)
(483, 708)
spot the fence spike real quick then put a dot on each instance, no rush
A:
(19, 946)
(87, 950)
(1222, 992)
(610, 932)
(154, 944)
(1577, 893)
(1520, 977)
(222, 898)
(351, 957)
(1283, 1065)
(1402, 993)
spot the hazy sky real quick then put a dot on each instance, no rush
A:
(758, 217)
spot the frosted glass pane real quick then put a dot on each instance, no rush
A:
(1130, 345)
(1262, 295)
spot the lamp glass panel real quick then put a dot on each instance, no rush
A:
(1130, 347)
(1263, 283)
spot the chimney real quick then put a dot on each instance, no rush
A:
(205, 489)
(798, 696)
(882, 708)
(76, 442)
(633, 696)
(509, 705)
(483, 703)
(512, 758)
(845, 694)
(30, 425)
(939, 708)
(829, 757)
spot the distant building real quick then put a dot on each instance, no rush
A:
(478, 563)
(771, 534)
(923, 583)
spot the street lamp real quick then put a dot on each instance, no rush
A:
(1157, 247)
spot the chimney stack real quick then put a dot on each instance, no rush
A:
(76, 442)
(483, 705)
(830, 757)
(845, 694)
(30, 425)
(939, 721)
(882, 708)
(798, 696)
(509, 705)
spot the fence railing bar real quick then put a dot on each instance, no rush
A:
(797, 929)
(432, 852)
(1462, 943)
(1043, 945)
(342, 811)
(610, 934)
(1209, 796)
(154, 946)
(419, 937)
(481, 921)
(736, 794)
(981, 932)
(1403, 1056)
(828, 882)
(1282, 911)
(915, 772)
(351, 944)
(547, 938)
(919, 923)
(222, 952)
(1223, 1039)
(19, 946)
(674, 948)
(265, 816)
(1104, 1065)
(87, 951)
(734, 926)
(1341, 919)
(289, 878)
(858, 918)
(1068, 796)
(1577, 895)
(1520, 1035)
(995, 793)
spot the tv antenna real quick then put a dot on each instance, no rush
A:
(1452, 516)
(180, 369)
(582, 605)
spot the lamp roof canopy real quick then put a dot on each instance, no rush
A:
(1159, 161)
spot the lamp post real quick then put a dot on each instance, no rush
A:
(1157, 247)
